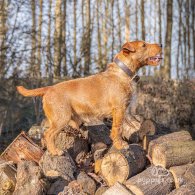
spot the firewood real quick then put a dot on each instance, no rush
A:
(57, 186)
(87, 183)
(58, 166)
(177, 136)
(99, 133)
(148, 127)
(120, 165)
(72, 141)
(7, 177)
(29, 179)
(22, 148)
(130, 127)
(101, 190)
(187, 189)
(183, 174)
(147, 139)
(173, 153)
(73, 188)
(153, 180)
(119, 189)
(98, 150)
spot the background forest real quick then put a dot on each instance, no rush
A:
(44, 41)
(56, 38)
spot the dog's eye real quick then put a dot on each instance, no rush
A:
(144, 45)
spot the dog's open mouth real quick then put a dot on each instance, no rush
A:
(156, 58)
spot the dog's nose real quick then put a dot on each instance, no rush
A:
(160, 44)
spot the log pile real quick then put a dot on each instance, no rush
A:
(154, 163)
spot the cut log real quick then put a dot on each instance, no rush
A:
(87, 183)
(147, 139)
(130, 128)
(101, 190)
(117, 189)
(187, 189)
(154, 180)
(58, 166)
(57, 186)
(173, 153)
(99, 133)
(7, 177)
(72, 141)
(176, 136)
(148, 127)
(22, 148)
(29, 179)
(183, 174)
(98, 150)
(73, 188)
(120, 165)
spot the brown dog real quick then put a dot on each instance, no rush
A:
(100, 96)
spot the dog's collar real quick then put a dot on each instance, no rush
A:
(134, 77)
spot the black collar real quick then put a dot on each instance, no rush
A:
(124, 67)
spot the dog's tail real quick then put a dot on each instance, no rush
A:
(33, 92)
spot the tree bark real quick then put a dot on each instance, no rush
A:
(127, 21)
(48, 62)
(3, 32)
(187, 189)
(57, 40)
(153, 180)
(176, 136)
(168, 39)
(39, 41)
(119, 24)
(173, 153)
(75, 39)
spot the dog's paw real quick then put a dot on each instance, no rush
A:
(120, 144)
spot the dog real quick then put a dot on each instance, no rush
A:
(103, 95)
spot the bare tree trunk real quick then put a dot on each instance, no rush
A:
(3, 31)
(119, 24)
(112, 19)
(193, 30)
(57, 40)
(33, 38)
(48, 63)
(167, 50)
(88, 39)
(99, 62)
(159, 17)
(38, 63)
(136, 19)
(127, 21)
(188, 35)
(65, 71)
(179, 37)
(143, 28)
(75, 38)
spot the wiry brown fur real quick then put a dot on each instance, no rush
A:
(95, 97)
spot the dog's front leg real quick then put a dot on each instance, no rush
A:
(116, 134)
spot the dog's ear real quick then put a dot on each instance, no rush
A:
(127, 48)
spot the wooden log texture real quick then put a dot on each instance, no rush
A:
(58, 166)
(99, 133)
(173, 153)
(87, 183)
(153, 180)
(7, 177)
(147, 139)
(120, 165)
(22, 148)
(183, 174)
(101, 190)
(187, 189)
(98, 150)
(29, 179)
(57, 186)
(72, 141)
(130, 128)
(117, 189)
(176, 136)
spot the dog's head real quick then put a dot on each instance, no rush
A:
(141, 53)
